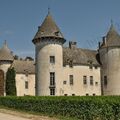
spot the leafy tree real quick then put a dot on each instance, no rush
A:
(10, 82)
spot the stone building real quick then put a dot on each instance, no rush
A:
(64, 71)
(25, 72)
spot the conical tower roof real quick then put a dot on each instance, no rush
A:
(5, 53)
(48, 29)
(112, 37)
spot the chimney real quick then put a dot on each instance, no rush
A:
(104, 40)
(99, 44)
(72, 45)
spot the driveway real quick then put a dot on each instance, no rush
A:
(14, 115)
(4, 116)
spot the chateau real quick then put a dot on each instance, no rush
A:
(64, 71)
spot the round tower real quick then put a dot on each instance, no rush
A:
(6, 59)
(49, 57)
(109, 51)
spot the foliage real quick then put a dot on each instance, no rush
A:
(81, 108)
(10, 82)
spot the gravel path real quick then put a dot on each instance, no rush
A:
(4, 116)
(14, 115)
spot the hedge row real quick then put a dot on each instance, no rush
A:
(82, 108)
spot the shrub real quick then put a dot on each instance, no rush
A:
(82, 108)
(10, 82)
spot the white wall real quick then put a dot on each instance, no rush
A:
(111, 68)
(20, 84)
(78, 88)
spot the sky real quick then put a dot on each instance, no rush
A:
(83, 21)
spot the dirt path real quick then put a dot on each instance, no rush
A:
(14, 115)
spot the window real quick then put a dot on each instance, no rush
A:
(96, 83)
(26, 84)
(87, 94)
(73, 94)
(85, 80)
(65, 95)
(64, 82)
(105, 80)
(94, 94)
(91, 80)
(52, 78)
(52, 59)
(96, 67)
(52, 91)
(71, 79)
(90, 67)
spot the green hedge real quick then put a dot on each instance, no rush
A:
(82, 108)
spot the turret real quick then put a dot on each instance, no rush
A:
(49, 57)
(109, 51)
(6, 59)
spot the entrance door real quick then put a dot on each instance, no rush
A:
(1, 83)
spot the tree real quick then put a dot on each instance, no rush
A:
(10, 82)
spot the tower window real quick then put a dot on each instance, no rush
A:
(91, 80)
(26, 84)
(85, 80)
(71, 79)
(105, 80)
(52, 91)
(52, 59)
(52, 78)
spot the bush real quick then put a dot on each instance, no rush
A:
(10, 82)
(82, 108)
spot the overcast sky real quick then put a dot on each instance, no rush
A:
(84, 21)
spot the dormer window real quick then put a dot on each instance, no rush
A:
(57, 33)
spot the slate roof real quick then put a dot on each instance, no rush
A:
(79, 56)
(48, 29)
(5, 53)
(24, 66)
(112, 38)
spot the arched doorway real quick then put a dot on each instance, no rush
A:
(1, 83)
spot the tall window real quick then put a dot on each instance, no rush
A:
(26, 84)
(52, 91)
(71, 79)
(91, 80)
(85, 80)
(105, 80)
(52, 78)
(52, 59)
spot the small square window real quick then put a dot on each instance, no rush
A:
(87, 94)
(64, 82)
(52, 59)
(96, 67)
(96, 83)
(65, 94)
(94, 94)
(73, 94)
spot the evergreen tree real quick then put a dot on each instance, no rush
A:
(10, 82)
